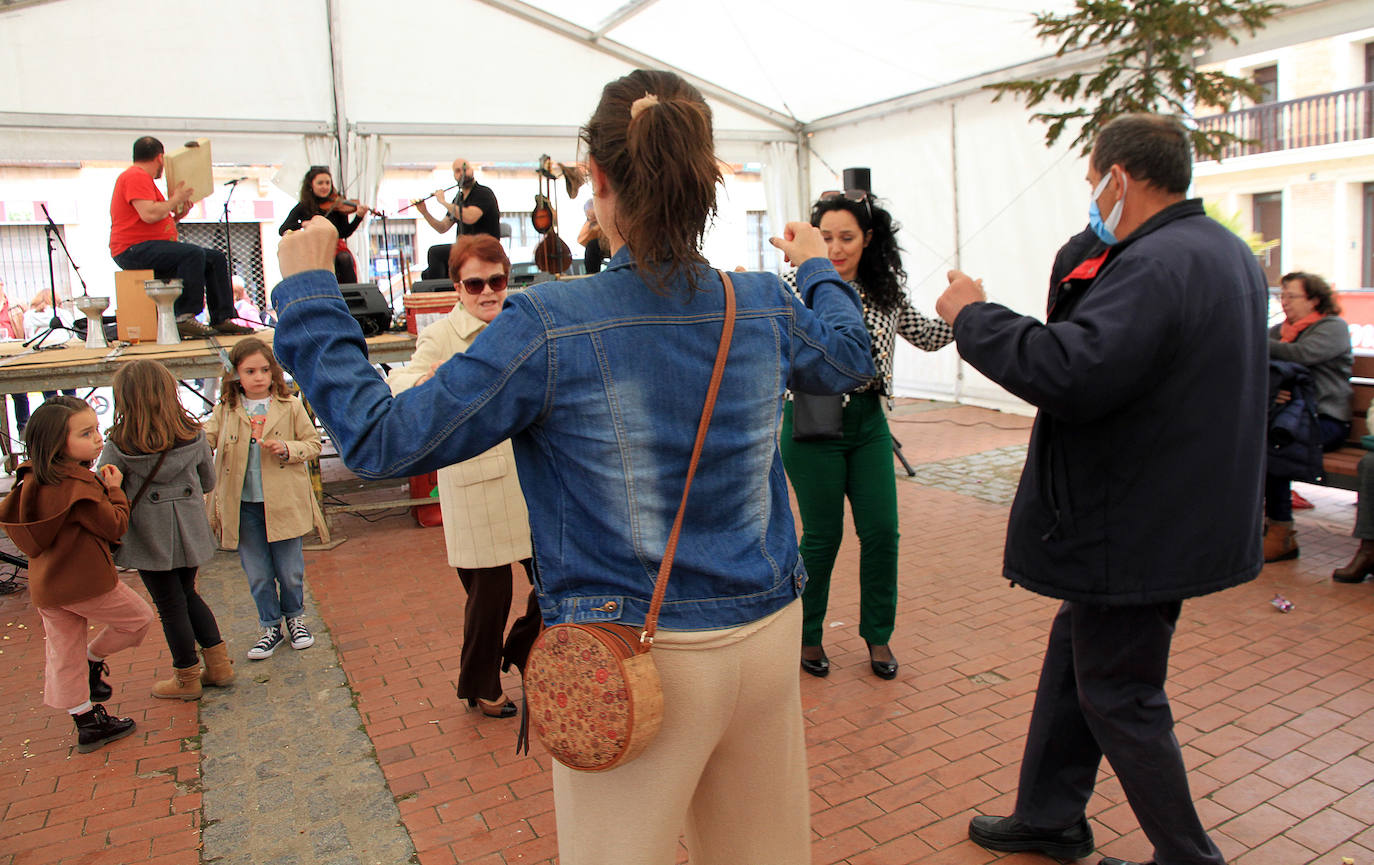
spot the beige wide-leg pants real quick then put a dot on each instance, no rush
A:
(728, 765)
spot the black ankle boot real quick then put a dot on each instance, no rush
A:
(96, 728)
(100, 689)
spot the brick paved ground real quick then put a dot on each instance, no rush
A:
(1276, 711)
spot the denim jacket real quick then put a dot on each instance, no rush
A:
(600, 383)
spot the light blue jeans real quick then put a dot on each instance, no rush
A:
(276, 570)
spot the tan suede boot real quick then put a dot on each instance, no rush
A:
(219, 670)
(1280, 541)
(184, 684)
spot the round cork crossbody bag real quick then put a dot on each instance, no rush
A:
(592, 692)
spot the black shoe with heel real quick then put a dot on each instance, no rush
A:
(818, 667)
(493, 708)
(881, 669)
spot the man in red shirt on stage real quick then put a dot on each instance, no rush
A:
(143, 235)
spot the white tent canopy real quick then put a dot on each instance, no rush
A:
(804, 87)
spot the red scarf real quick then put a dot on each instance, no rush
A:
(1288, 331)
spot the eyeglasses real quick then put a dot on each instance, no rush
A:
(849, 195)
(476, 284)
(1292, 295)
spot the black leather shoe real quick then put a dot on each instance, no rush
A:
(1009, 835)
(820, 667)
(882, 669)
(100, 689)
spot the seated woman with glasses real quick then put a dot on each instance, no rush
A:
(1314, 335)
(486, 526)
(861, 239)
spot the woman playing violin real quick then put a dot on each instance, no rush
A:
(319, 197)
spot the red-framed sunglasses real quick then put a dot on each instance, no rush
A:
(476, 284)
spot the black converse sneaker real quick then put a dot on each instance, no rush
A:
(301, 638)
(263, 648)
(96, 728)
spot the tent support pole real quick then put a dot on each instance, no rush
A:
(957, 260)
(803, 174)
(336, 66)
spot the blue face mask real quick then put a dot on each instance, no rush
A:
(1106, 229)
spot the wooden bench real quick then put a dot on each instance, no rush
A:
(1339, 465)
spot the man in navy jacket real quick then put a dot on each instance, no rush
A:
(1149, 374)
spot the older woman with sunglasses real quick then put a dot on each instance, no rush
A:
(862, 245)
(486, 527)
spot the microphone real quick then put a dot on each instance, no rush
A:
(235, 180)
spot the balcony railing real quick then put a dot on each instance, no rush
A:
(1346, 115)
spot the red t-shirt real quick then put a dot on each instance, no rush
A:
(126, 226)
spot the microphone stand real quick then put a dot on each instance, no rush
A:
(228, 244)
(55, 323)
(386, 251)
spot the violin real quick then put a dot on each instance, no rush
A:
(336, 203)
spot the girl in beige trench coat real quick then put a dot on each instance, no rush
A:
(264, 503)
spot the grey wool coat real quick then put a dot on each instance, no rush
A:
(168, 528)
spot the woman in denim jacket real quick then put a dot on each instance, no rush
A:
(600, 384)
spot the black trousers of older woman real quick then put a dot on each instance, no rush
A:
(486, 645)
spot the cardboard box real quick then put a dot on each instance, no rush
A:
(134, 308)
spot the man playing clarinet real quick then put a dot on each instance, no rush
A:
(474, 210)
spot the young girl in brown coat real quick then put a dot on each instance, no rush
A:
(66, 518)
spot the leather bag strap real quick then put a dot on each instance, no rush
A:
(646, 637)
(148, 480)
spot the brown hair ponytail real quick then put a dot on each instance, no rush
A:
(651, 134)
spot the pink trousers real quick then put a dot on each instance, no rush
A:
(126, 617)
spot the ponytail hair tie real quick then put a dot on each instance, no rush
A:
(648, 100)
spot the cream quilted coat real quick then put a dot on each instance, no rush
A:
(485, 521)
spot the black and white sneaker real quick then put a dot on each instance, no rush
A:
(301, 638)
(263, 648)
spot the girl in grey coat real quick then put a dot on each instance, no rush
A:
(168, 469)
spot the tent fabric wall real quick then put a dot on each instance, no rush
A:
(168, 58)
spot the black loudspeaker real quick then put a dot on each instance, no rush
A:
(80, 325)
(856, 179)
(424, 285)
(367, 306)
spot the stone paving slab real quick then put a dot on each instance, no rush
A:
(289, 775)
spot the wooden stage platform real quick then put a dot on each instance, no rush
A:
(73, 365)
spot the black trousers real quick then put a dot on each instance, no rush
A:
(1101, 692)
(484, 622)
(344, 268)
(204, 274)
(186, 618)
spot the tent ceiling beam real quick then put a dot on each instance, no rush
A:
(507, 130)
(620, 16)
(136, 123)
(565, 28)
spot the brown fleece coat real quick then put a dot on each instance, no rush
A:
(67, 531)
